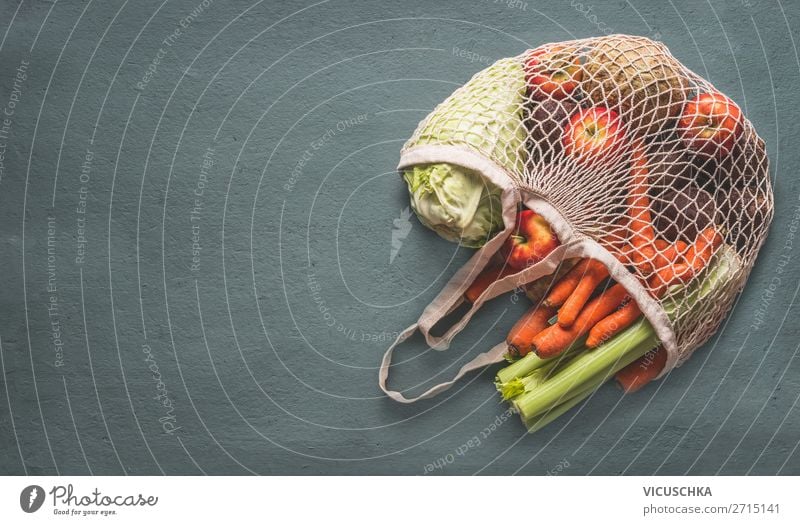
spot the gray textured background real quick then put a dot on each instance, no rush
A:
(302, 109)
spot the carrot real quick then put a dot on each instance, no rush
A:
(485, 279)
(520, 338)
(695, 257)
(554, 339)
(668, 254)
(613, 324)
(643, 370)
(666, 277)
(564, 288)
(661, 244)
(641, 222)
(699, 254)
(595, 273)
(632, 256)
(624, 254)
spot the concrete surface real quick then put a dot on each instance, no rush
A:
(215, 185)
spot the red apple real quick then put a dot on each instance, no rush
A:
(530, 242)
(552, 73)
(594, 135)
(710, 124)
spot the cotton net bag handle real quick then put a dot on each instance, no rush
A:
(632, 158)
(492, 145)
(441, 138)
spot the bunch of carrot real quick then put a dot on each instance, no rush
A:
(588, 328)
(580, 311)
(541, 389)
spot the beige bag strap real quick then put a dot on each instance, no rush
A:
(495, 355)
(452, 295)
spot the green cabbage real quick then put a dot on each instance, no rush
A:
(486, 116)
(456, 203)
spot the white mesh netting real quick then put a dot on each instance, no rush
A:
(637, 155)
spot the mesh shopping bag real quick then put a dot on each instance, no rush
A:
(633, 160)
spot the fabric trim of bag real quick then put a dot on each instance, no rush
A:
(495, 355)
(462, 156)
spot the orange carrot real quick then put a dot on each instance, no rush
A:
(695, 257)
(631, 255)
(554, 339)
(661, 244)
(617, 241)
(661, 259)
(520, 338)
(666, 277)
(668, 273)
(669, 254)
(564, 288)
(616, 237)
(699, 254)
(641, 223)
(595, 273)
(625, 316)
(486, 278)
(613, 324)
(643, 370)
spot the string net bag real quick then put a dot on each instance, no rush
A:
(630, 157)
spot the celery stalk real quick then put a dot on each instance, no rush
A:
(542, 420)
(590, 386)
(538, 421)
(582, 372)
(626, 347)
(520, 368)
(520, 385)
(531, 362)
